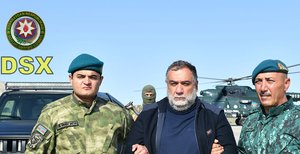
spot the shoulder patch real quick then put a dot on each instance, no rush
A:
(41, 129)
(35, 140)
(38, 135)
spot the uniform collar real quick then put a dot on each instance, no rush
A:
(274, 111)
(83, 104)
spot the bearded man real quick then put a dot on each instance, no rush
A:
(180, 123)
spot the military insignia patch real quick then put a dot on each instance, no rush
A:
(35, 140)
(25, 30)
(281, 67)
(67, 124)
(41, 129)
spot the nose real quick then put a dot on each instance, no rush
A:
(264, 86)
(179, 89)
(86, 80)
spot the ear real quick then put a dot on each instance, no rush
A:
(287, 83)
(101, 78)
(70, 77)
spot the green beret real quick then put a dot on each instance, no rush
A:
(269, 65)
(86, 62)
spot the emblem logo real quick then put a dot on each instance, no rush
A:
(281, 67)
(25, 30)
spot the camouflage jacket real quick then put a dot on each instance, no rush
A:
(278, 132)
(67, 126)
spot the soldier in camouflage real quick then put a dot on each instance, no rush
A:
(274, 127)
(81, 122)
(148, 94)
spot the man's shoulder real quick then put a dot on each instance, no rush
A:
(297, 108)
(150, 106)
(111, 106)
(56, 105)
(253, 116)
(253, 112)
(292, 114)
(150, 110)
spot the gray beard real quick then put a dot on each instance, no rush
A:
(185, 103)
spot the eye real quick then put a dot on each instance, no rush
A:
(172, 83)
(186, 83)
(257, 81)
(148, 95)
(94, 77)
(270, 80)
(79, 76)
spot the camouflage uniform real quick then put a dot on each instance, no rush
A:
(278, 132)
(67, 126)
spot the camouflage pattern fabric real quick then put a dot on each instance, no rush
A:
(278, 132)
(133, 114)
(67, 126)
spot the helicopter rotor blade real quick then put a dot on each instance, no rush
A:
(211, 82)
(157, 88)
(243, 78)
(293, 65)
(294, 72)
(230, 81)
(210, 78)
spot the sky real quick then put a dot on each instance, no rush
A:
(137, 39)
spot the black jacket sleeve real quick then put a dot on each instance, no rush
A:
(225, 135)
(213, 124)
(144, 130)
(135, 136)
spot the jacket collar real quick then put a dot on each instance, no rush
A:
(274, 111)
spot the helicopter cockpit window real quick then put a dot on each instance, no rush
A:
(224, 92)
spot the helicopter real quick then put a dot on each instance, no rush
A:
(235, 100)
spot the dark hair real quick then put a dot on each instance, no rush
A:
(179, 64)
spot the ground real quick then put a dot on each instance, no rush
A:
(236, 132)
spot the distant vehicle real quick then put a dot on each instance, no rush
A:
(21, 105)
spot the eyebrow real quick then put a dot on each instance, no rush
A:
(181, 82)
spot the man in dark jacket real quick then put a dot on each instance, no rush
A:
(180, 123)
